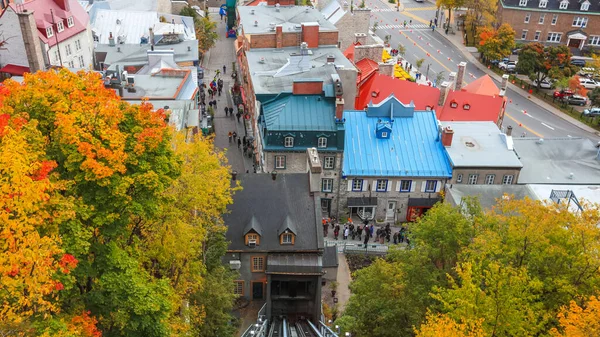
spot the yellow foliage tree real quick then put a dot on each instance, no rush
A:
(441, 325)
(576, 321)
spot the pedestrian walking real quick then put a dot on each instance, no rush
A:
(336, 231)
(430, 23)
(366, 239)
(435, 21)
(359, 231)
(218, 73)
(239, 143)
(346, 232)
(210, 93)
(214, 103)
(234, 135)
(230, 136)
(410, 22)
(396, 238)
(371, 230)
(433, 28)
(238, 115)
(224, 70)
(226, 111)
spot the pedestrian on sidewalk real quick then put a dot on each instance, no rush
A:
(238, 115)
(245, 149)
(230, 136)
(239, 143)
(214, 103)
(435, 21)
(359, 231)
(218, 73)
(433, 28)
(430, 23)
(371, 230)
(395, 238)
(366, 240)
(210, 93)
(226, 111)
(234, 135)
(224, 70)
(346, 232)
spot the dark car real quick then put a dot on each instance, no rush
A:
(577, 100)
(578, 62)
(593, 112)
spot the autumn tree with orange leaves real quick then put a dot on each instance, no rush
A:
(579, 321)
(495, 44)
(541, 62)
(91, 190)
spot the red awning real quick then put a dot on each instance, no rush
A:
(243, 95)
(14, 69)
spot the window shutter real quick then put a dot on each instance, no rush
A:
(349, 185)
(423, 185)
(374, 185)
(413, 185)
(438, 186)
(398, 183)
(389, 186)
(365, 185)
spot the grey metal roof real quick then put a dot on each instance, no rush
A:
(288, 224)
(271, 70)
(480, 144)
(333, 12)
(488, 195)
(295, 264)
(552, 161)
(288, 16)
(330, 257)
(136, 54)
(254, 225)
(163, 87)
(574, 6)
(271, 201)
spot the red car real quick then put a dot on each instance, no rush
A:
(563, 94)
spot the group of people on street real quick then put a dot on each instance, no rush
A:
(351, 232)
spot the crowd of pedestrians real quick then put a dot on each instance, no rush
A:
(364, 232)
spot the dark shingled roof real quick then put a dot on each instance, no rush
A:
(288, 225)
(284, 202)
(553, 6)
(330, 258)
(252, 225)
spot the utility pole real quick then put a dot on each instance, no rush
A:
(56, 37)
(427, 73)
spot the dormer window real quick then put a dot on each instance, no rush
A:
(563, 4)
(543, 3)
(453, 104)
(288, 232)
(287, 239)
(467, 106)
(384, 134)
(252, 240)
(60, 26)
(70, 22)
(522, 3)
(288, 142)
(49, 32)
(375, 93)
(585, 6)
(322, 143)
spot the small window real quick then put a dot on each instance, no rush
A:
(49, 32)
(507, 179)
(322, 142)
(527, 17)
(56, 57)
(594, 40)
(536, 37)
(467, 106)
(522, 3)
(405, 185)
(258, 264)
(329, 163)
(77, 45)
(472, 179)
(327, 185)
(287, 238)
(81, 62)
(70, 22)
(96, 38)
(554, 37)
(357, 185)
(543, 3)
(71, 64)
(585, 6)
(430, 185)
(238, 287)
(68, 49)
(453, 104)
(384, 134)
(524, 34)
(252, 239)
(60, 26)
(489, 179)
(280, 162)
(459, 178)
(288, 142)
(542, 18)
(563, 4)
(554, 19)
(381, 185)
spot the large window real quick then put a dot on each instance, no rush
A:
(594, 40)
(68, 49)
(489, 179)
(326, 185)
(580, 21)
(280, 162)
(527, 17)
(60, 26)
(430, 185)
(322, 142)
(507, 179)
(288, 142)
(258, 264)
(357, 185)
(329, 163)
(554, 37)
(472, 179)
(563, 4)
(405, 185)
(542, 18)
(585, 6)
(524, 34)
(81, 62)
(382, 185)
(554, 19)
(238, 288)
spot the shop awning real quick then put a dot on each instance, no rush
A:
(422, 202)
(295, 264)
(361, 202)
(14, 69)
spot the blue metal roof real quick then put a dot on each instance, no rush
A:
(288, 112)
(414, 148)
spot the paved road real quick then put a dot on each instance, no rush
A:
(524, 115)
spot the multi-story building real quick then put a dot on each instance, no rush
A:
(394, 162)
(480, 153)
(568, 22)
(276, 243)
(44, 33)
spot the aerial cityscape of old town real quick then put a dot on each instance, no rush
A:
(299, 168)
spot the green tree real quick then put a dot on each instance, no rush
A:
(541, 62)
(594, 97)
(449, 5)
(401, 49)
(419, 63)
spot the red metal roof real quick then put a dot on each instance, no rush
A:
(366, 68)
(14, 69)
(471, 107)
(379, 87)
(349, 52)
(483, 86)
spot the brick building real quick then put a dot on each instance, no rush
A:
(572, 23)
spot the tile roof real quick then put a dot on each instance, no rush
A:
(414, 148)
(270, 202)
(553, 6)
(483, 86)
(267, 17)
(366, 68)
(289, 112)
(380, 86)
(480, 144)
(470, 107)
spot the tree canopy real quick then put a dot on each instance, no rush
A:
(495, 44)
(541, 62)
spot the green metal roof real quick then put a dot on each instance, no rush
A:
(288, 112)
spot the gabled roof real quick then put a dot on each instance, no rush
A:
(470, 107)
(288, 112)
(287, 224)
(380, 86)
(483, 86)
(366, 68)
(253, 225)
(552, 6)
(349, 52)
(413, 149)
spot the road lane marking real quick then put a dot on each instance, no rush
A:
(523, 126)
(426, 52)
(416, 18)
(411, 9)
(548, 126)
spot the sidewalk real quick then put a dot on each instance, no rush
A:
(223, 54)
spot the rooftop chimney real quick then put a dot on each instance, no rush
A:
(503, 85)
(310, 34)
(63, 4)
(447, 134)
(307, 87)
(360, 38)
(279, 36)
(339, 108)
(509, 131)
(452, 78)
(330, 58)
(111, 40)
(386, 69)
(303, 48)
(315, 169)
(460, 76)
(33, 49)
(444, 89)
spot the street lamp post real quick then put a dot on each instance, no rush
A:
(427, 73)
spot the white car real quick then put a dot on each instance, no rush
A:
(544, 84)
(509, 66)
(588, 83)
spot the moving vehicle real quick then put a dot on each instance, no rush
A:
(577, 100)
(563, 94)
(588, 83)
(544, 84)
(593, 112)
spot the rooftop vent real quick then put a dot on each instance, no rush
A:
(262, 60)
(330, 58)
(277, 7)
(252, 12)
(272, 24)
(297, 26)
(540, 141)
(255, 23)
(571, 175)
(306, 10)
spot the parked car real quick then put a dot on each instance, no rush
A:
(563, 94)
(578, 62)
(509, 66)
(593, 112)
(577, 100)
(588, 83)
(544, 84)
(587, 72)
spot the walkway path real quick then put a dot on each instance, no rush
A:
(343, 278)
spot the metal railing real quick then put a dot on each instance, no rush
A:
(260, 328)
(350, 247)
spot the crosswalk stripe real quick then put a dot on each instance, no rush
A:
(417, 26)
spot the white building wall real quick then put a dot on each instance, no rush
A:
(10, 31)
(74, 58)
